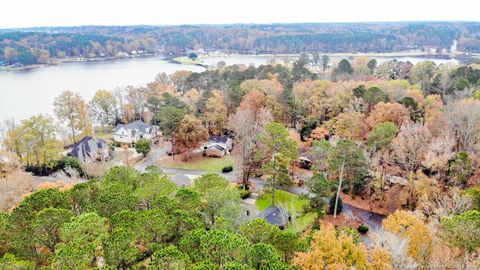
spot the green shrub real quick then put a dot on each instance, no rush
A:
(332, 205)
(362, 229)
(227, 169)
(474, 194)
(143, 146)
(72, 163)
(244, 193)
(354, 233)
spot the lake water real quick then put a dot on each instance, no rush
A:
(29, 92)
(257, 60)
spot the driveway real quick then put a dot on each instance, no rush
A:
(183, 177)
(155, 154)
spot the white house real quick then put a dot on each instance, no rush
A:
(132, 132)
(218, 146)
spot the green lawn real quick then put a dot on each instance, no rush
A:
(293, 204)
(104, 135)
(188, 61)
(209, 164)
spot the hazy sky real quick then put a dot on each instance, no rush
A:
(23, 13)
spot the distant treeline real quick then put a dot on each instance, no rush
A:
(41, 45)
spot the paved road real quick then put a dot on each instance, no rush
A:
(183, 177)
(155, 154)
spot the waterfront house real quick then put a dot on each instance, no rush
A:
(132, 132)
(90, 149)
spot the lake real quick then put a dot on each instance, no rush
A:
(29, 92)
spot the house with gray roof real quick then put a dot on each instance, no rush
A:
(218, 146)
(90, 149)
(276, 216)
(132, 132)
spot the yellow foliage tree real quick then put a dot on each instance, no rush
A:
(191, 98)
(349, 125)
(407, 225)
(380, 259)
(215, 115)
(330, 249)
(270, 88)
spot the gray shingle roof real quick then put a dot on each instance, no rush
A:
(83, 146)
(275, 215)
(219, 139)
(136, 125)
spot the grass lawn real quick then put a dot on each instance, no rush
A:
(293, 204)
(209, 164)
(104, 135)
(188, 61)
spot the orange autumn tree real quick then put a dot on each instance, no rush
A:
(388, 112)
(254, 100)
(330, 249)
(435, 119)
(319, 133)
(190, 134)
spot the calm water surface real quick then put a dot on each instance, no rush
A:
(25, 93)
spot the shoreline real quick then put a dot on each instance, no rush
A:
(77, 60)
(179, 58)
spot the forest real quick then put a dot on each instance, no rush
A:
(44, 44)
(403, 138)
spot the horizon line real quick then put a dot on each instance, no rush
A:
(237, 23)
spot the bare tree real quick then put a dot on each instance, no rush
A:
(446, 81)
(96, 169)
(397, 247)
(247, 125)
(446, 205)
(119, 95)
(13, 188)
(464, 124)
(10, 139)
(137, 99)
(71, 108)
(439, 153)
(410, 146)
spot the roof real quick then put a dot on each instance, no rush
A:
(136, 125)
(275, 215)
(83, 140)
(219, 147)
(101, 143)
(219, 139)
(83, 143)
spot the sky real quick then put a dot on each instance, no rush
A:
(30, 13)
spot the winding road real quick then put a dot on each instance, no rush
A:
(182, 177)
